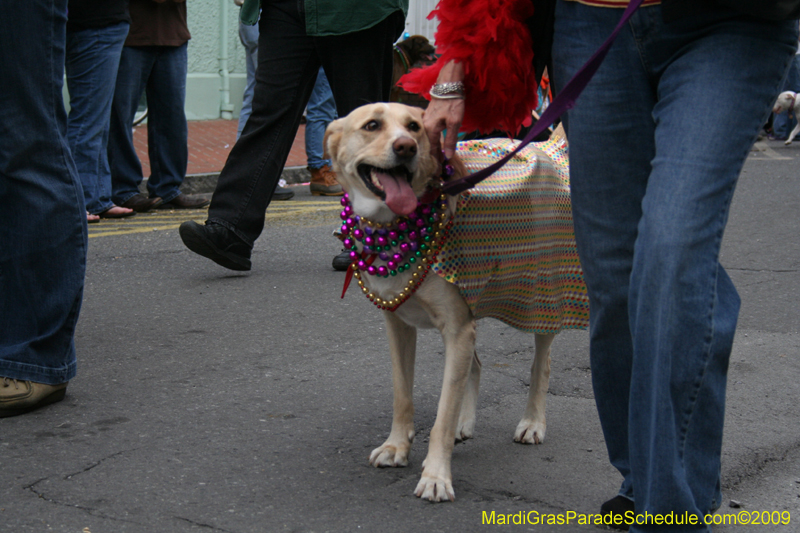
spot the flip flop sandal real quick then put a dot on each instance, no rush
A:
(109, 213)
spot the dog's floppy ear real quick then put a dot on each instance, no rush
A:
(333, 135)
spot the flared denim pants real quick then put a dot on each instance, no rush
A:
(43, 237)
(92, 64)
(657, 142)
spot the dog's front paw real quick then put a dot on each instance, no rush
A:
(788, 142)
(390, 455)
(530, 432)
(435, 487)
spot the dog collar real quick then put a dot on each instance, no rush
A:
(407, 244)
(403, 57)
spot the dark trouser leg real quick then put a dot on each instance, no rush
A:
(248, 180)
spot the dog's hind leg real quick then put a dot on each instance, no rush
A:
(469, 405)
(531, 428)
(794, 133)
(402, 345)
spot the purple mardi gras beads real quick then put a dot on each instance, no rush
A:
(391, 242)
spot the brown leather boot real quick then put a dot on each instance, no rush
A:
(323, 182)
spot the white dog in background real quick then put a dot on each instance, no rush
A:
(788, 102)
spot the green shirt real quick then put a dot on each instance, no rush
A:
(335, 17)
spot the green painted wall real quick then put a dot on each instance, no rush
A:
(204, 83)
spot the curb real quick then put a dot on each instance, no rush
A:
(206, 183)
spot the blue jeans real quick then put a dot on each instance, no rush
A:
(320, 111)
(91, 65)
(42, 215)
(160, 72)
(249, 37)
(782, 124)
(657, 141)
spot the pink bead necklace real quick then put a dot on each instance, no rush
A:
(408, 244)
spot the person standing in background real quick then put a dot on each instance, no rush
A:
(320, 111)
(96, 31)
(153, 61)
(43, 236)
(248, 35)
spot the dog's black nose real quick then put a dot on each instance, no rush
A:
(405, 147)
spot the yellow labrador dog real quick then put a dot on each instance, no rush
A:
(403, 233)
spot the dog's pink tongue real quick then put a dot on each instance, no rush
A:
(400, 196)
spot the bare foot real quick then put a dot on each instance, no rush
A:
(90, 218)
(117, 212)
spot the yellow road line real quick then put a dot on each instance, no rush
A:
(127, 231)
(163, 221)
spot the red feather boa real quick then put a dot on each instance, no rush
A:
(490, 38)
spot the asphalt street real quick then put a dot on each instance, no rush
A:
(213, 401)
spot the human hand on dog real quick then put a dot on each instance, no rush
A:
(445, 114)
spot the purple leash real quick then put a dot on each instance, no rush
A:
(564, 100)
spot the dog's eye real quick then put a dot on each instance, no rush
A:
(372, 125)
(414, 126)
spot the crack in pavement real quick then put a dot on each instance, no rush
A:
(98, 463)
(89, 510)
(201, 524)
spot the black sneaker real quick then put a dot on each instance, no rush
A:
(282, 193)
(342, 261)
(217, 243)
(618, 506)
